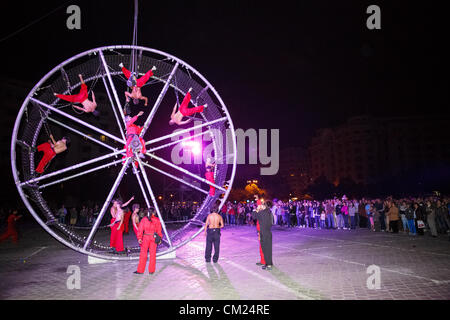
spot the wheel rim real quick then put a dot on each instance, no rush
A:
(107, 54)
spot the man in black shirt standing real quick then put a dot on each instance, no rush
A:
(264, 216)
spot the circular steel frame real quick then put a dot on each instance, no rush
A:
(47, 76)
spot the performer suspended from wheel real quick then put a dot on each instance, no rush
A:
(50, 150)
(136, 84)
(117, 215)
(209, 175)
(184, 111)
(82, 97)
(135, 143)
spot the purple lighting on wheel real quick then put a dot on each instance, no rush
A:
(193, 145)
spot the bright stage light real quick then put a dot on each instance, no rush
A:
(193, 145)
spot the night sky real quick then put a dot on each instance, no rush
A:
(296, 66)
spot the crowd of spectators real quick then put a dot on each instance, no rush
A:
(408, 215)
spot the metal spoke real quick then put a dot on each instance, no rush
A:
(113, 88)
(175, 178)
(185, 171)
(82, 134)
(114, 109)
(77, 166)
(158, 101)
(155, 204)
(106, 204)
(78, 120)
(136, 172)
(180, 132)
(81, 173)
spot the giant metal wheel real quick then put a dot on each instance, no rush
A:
(42, 112)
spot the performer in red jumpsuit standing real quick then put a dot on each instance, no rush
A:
(210, 175)
(147, 228)
(11, 228)
(116, 241)
(132, 131)
(262, 262)
(126, 220)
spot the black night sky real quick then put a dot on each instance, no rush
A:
(297, 66)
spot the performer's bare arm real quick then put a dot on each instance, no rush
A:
(79, 108)
(207, 223)
(93, 97)
(174, 110)
(52, 139)
(145, 99)
(81, 78)
(121, 221)
(128, 202)
(185, 121)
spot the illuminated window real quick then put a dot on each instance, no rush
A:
(103, 138)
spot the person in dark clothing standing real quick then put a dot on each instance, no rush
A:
(264, 216)
(213, 224)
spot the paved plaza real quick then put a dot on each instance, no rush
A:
(308, 264)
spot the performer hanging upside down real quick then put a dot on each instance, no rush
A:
(133, 139)
(210, 164)
(117, 215)
(149, 236)
(184, 111)
(50, 150)
(136, 84)
(82, 97)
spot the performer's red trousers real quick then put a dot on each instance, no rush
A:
(148, 245)
(210, 177)
(49, 154)
(126, 221)
(142, 80)
(10, 232)
(116, 236)
(185, 111)
(76, 98)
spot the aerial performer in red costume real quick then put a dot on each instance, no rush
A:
(117, 215)
(133, 138)
(149, 236)
(82, 97)
(136, 84)
(184, 111)
(259, 202)
(50, 149)
(210, 164)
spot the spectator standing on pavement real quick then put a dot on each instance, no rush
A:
(73, 216)
(62, 212)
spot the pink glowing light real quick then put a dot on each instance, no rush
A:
(193, 145)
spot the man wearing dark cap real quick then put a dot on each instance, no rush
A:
(264, 217)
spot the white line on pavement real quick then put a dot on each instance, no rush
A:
(35, 252)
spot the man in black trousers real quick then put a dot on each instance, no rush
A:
(213, 224)
(264, 217)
